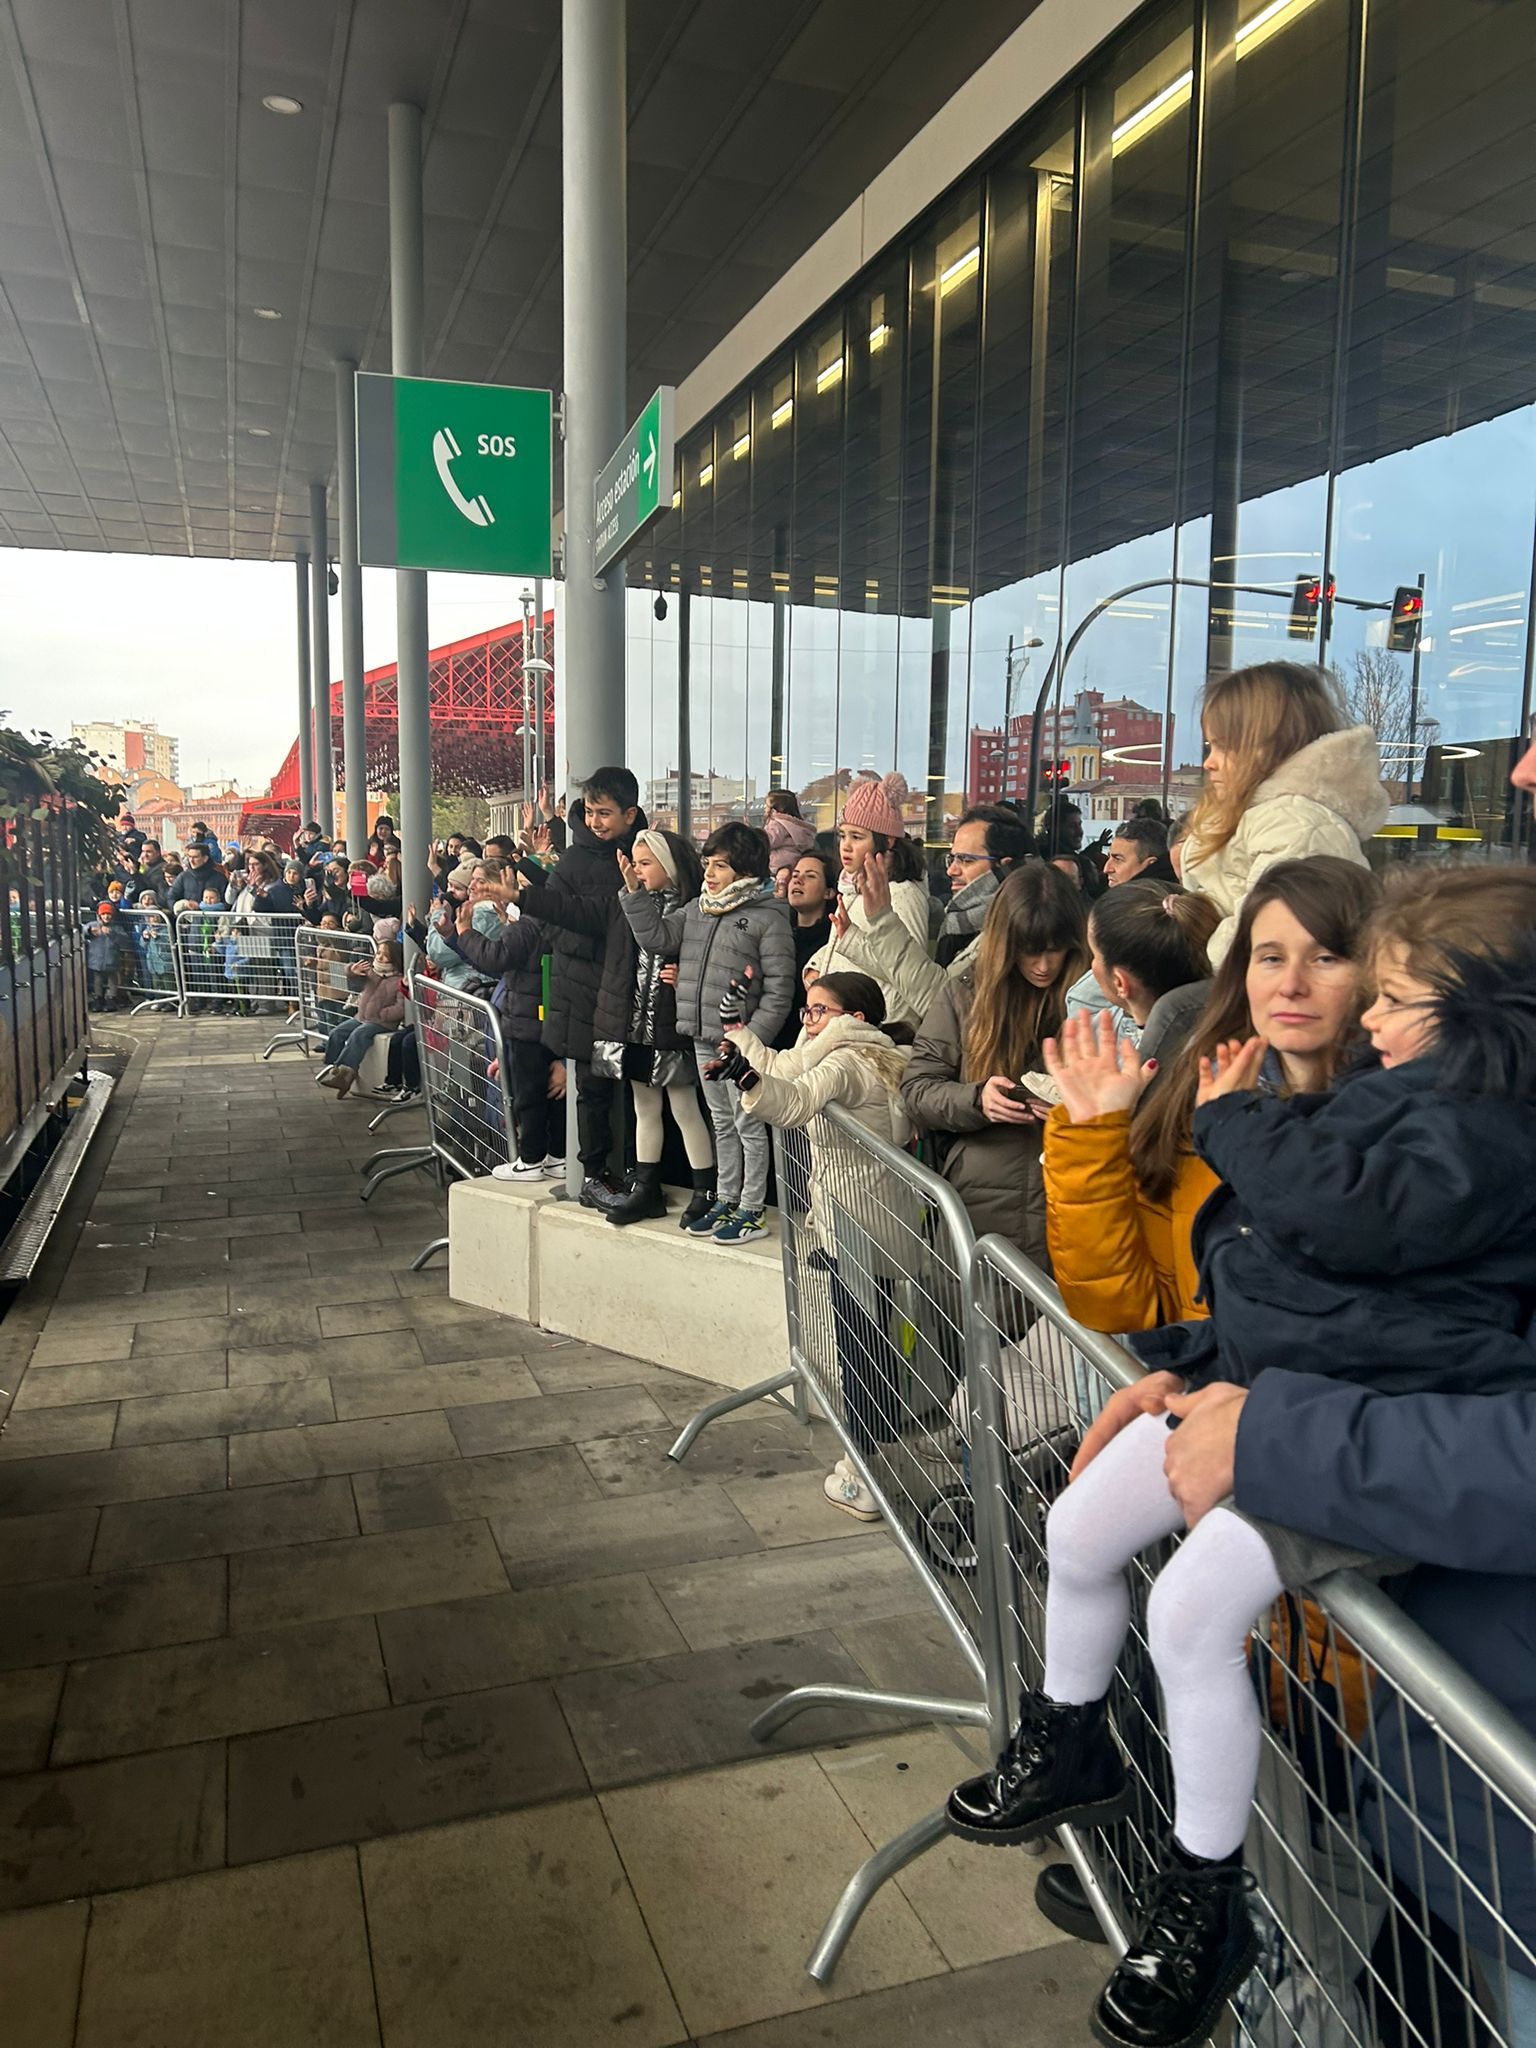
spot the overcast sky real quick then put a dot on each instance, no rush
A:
(205, 648)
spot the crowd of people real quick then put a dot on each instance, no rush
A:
(1256, 1114)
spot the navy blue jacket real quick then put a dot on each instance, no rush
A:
(1446, 1479)
(1381, 1234)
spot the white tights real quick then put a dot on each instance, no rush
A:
(686, 1114)
(1205, 1601)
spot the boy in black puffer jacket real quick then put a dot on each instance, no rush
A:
(737, 932)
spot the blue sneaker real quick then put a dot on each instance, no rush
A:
(741, 1227)
(707, 1224)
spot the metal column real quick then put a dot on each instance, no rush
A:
(306, 714)
(320, 662)
(408, 359)
(354, 739)
(593, 115)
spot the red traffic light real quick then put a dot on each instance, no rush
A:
(1310, 594)
(1407, 619)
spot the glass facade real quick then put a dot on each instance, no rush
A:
(1248, 306)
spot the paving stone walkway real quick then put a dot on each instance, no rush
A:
(369, 1678)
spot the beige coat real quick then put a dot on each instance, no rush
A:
(1326, 799)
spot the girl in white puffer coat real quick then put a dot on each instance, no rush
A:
(1285, 778)
(861, 1228)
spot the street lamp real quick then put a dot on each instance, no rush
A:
(1021, 654)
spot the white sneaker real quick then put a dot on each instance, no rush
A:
(844, 1469)
(554, 1169)
(519, 1169)
(851, 1495)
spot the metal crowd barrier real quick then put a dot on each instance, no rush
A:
(469, 1115)
(243, 958)
(148, 972)
(1397, 1799)
(1396, 1815)
(876, 1292)
(326, 995)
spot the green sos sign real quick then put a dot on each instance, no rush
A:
(454, 476)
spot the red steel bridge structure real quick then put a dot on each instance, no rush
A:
(480, 702)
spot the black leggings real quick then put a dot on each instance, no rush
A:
(869, 1364)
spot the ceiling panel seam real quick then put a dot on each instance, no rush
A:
(23, 77)
(341, 43)
(234, 25)
(133, 123)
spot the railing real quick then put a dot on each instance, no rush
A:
(325, 991)
(241, 958)
(147, 971)
(465, 1085)
(1392, 1836)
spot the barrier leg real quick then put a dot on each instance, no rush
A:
(726, 1405)
(968, 1713)
(300, 1038)
(438, 1244)
(392, 1109)
(405, 1162)
(861, 1888)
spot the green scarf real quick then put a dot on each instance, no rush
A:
(746, 889)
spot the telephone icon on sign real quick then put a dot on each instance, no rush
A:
(446, 451)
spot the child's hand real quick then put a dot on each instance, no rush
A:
(781, 884)
(1149, 1396)
(1233, 1069)
(1097, 1072)
(627, 870)
(839, 916)
(668, 975)
(874, 880)
(733, 1004)
(557, 1081)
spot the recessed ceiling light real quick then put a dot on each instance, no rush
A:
(282, 103)
(266, 313)
(261, 433)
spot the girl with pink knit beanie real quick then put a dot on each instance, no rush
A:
(872, 835)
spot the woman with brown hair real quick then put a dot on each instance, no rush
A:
(1285, 778)
(1122, 1180)
(985, 1030)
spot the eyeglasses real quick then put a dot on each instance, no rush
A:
(965, 860)
(813, 1012)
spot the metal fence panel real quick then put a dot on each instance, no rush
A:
(326, 994)
(458, 1039)
(1396, 1799)
(147, 970)
(242, 958)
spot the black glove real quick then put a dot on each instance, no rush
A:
(733, 1004)
(732, 1066)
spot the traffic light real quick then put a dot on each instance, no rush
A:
(1310, 594)
(1058, 772)
(1407, 618)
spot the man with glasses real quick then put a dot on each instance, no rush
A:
(990, 841)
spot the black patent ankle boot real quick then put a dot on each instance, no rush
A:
(703, 1196)
(642, 1198)
(1195, 1946)
(1062, 1765)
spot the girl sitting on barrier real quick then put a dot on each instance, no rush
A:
(857, 1226)
(380, 1008)
(1379, 1235)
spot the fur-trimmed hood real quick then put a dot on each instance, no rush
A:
(1485, 1017)
(1341, 771)
(867, 1040)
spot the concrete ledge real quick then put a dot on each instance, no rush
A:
(681, 1302)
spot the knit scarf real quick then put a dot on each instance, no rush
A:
(965, 914)
(745, 889)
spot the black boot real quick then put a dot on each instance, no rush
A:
(1060, 1898)
(598, 1192)
(1062, 1765)
(1195, 1946)
(643, 1199)
(703, 1196)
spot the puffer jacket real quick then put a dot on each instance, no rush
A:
(714, 951)
(1381, 1234)
(993, 1168)
(1122, 1261)
(380, 998)
(574, 901)
(512, 956)
(614, 1013)
(909, 914)
(788, 838)
(1326, 799)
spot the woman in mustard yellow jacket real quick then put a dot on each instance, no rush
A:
(1122, 1183)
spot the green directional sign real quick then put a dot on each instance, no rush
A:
(454, 476)
(636, 480)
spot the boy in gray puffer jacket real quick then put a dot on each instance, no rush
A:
(738, 932)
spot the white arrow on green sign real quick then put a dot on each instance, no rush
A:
(635, 483)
